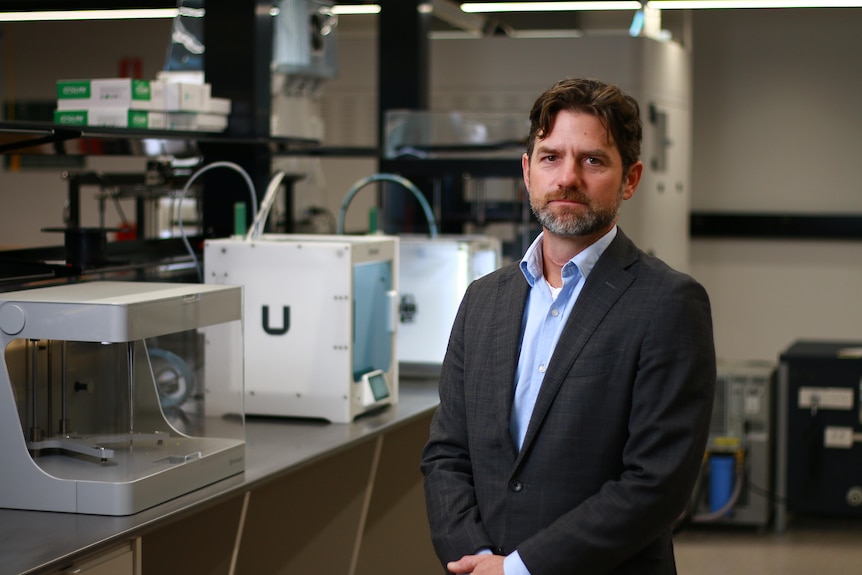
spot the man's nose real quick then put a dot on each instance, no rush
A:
(570, 175)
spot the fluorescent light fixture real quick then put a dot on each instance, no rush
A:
(55, 15)
(547, 6)
(341, 9)
(730, 4)
(122, 14)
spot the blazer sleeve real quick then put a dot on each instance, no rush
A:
(453, 514)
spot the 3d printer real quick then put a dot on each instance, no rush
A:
(321, 325)
(82, 428)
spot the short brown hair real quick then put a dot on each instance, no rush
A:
(618, 111)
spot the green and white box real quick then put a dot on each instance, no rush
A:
(119, 117)
(115, 92)
(182, 97)
(196, 121)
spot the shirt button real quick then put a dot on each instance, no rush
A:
(555, 312)
(542, 368)
(516, 486)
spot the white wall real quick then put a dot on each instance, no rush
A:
(777, 120)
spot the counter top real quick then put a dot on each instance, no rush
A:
(34, 542)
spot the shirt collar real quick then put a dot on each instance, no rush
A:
(531, 263)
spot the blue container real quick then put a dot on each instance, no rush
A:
(720, 481)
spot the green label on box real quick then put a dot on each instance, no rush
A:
(141, 90)
(70, 117)
(139, 119)
(74, 89)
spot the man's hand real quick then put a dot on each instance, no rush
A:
(477, 565)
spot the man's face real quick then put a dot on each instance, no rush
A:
(575, 177)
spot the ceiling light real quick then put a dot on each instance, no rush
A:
(730, 4)
(342, 9)
(548, 6)
(55, 15)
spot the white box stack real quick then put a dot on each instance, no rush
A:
(165, 103)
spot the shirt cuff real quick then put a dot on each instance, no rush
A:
(513, 565)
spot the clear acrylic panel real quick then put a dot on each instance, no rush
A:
(104, 386)
(438, 134)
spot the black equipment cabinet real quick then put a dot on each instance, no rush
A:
(819, 461)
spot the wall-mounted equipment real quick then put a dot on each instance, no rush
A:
(304, 43)
(321, 321)
(304, 56)
(82, 426)
(819, 459)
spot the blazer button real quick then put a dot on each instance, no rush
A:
(516, 486)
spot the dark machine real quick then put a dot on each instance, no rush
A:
(819, 460)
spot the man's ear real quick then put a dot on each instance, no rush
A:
(632, 179)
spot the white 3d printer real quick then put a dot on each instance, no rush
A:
(321, 319)
(434, 272)
(82, 428)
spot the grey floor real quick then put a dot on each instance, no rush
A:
(809, 546)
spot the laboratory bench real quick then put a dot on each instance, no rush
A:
(315, 497)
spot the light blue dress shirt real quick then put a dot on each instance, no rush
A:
(544, 317)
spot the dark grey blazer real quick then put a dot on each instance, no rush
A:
(617, 435)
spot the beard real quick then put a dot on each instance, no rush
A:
(571, 224)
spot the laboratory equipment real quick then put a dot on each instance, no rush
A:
(435, 273)
(736, 484)
(321, 321)
(819, 460)
(81, 425)
(304, 57)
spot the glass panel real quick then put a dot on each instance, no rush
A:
(454, 134)
(372, 340)
(120, 411)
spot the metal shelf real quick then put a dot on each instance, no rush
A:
(93, 140)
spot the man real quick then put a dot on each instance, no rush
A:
(577, 388)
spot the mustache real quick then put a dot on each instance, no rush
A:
(569, 194)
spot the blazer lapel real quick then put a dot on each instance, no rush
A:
(512, 297)
(607, 281)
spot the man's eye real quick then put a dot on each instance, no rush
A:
(549, 158)
(592, 161)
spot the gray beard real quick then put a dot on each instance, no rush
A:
(570, 225)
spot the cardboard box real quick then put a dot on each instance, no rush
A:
(186, 97)
(139, 95)
(196, 121)
(219, 106)
(113, 92)
(116, 117)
